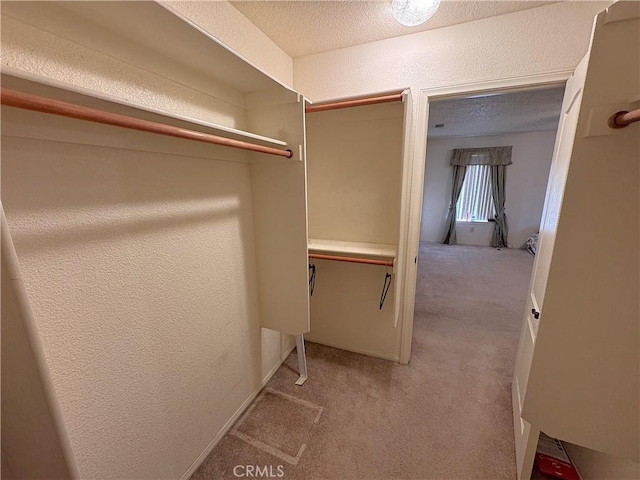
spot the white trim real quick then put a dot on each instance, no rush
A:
(231, 422)
(416, 180)
(359, 96)
(370, 353)
(512, 83)
(417, 165)
(405, 197)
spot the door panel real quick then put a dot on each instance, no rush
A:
(555, 187)
(526, 435)
(584, 380)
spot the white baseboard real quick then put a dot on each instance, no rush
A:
(227, 426)
(370, 353)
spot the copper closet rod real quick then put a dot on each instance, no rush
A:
(624, 119)
(13, 98)
(368, 261)
(394, 97)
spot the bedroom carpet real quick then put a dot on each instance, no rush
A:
(446, 415)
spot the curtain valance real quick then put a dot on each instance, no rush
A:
(481, 156)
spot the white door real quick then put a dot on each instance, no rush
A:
(577, 370)
(585, 366)
(555, 190)
(526, 437)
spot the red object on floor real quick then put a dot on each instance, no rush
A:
(557, 468)
(552, 459)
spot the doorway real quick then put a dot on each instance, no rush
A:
(470, 298)
(428, 225)
(519, 126)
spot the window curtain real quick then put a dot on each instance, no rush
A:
(498, 158)
(500, 228)
(459, 172)
(481, 156)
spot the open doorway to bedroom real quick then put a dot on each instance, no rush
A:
(487, 165)
(470, 296)
(509, 131)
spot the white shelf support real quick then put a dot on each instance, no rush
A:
(302, 359)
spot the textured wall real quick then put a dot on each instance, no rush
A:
(526, 186)
(29, 435)
(543, 39)
(354, 168)
(234, 30)
(536, 41)
(139, 266)
(135, 73)
(140, 269)
(35, 51)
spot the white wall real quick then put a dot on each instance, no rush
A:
(354, 168)
(538, 41)
(532, 42)
(595, 465)
(150, 254)
(27, 419)
(228, 25)
(545, 39)
(117, 252)
(526, 186)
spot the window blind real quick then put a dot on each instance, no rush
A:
(475, 203)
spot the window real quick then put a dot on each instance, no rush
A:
(475, 203)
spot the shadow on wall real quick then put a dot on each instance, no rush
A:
(140, 270)
(83, 194)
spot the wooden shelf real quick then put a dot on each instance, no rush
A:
(369, 250)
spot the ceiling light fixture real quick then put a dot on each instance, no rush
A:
(413, 12)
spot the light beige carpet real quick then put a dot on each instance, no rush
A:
(446, 415)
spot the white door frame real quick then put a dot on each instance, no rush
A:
(415, 181)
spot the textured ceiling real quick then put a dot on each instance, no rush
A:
(526, 111)
(305, 27)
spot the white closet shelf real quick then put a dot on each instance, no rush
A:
(115, 26)
(227, 89)
(22, 81)
(374, 250)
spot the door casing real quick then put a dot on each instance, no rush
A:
(414, 181)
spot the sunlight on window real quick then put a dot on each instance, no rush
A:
(475, 203)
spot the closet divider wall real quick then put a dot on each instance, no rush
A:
(145, 257)
(355, 158)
